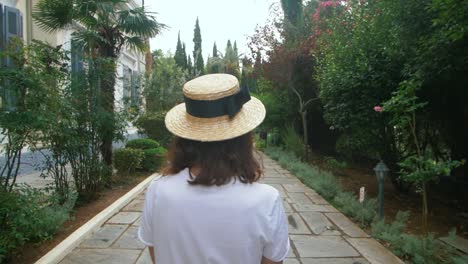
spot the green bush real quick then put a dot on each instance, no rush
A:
(327, 186)
(334, 164)
(127, 160)
(142, 143)
(416, 249)
(293, 142)
(259, 143)
(153, 158)
(29, 215)
(152, 124)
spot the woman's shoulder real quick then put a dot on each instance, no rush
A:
(166, 179)
(264, 193)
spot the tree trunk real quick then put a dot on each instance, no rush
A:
(107, 102)
(304, 129)
(424, 208)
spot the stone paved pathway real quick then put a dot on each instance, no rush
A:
(319, 233)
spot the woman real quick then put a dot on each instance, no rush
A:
(208, 207)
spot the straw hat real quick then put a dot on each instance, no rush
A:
(216, 108)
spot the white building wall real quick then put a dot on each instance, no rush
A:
(129, 58)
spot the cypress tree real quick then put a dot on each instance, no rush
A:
(178, 56)
(228, 55)
(198, 63)
(189, 65)
(184, 55)
(235, 50)
(236, 55)
(215, 50)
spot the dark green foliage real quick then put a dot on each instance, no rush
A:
(416, 249)
(153, 159)
(293, 142)
(163, 87)
(292, 10)
(128, 160)
(29, 215)
(198, 62)
(259, 143)
(179, 56)
(142, 143)
(327, 186)
(215, 50)
(152, 124)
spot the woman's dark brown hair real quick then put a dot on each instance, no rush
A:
(219, 162)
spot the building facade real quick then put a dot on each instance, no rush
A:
(16, 21)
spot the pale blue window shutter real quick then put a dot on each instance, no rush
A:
(76, 57)
(2, 36)
(135, 88)
(127, 83)
(12, 27)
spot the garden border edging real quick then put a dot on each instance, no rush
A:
(59, 252)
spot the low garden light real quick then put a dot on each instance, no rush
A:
(381, 170)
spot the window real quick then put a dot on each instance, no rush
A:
(127, 84)
(134, 89)
(11, 25)
(131, 85)
(76, 58)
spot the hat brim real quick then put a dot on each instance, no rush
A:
(184, 125)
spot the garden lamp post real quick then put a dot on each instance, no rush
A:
(381, 170)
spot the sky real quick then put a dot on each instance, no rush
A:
(219, 20)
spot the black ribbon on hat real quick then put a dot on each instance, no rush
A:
(229, 105)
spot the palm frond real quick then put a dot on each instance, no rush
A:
(139, 23)
(88, 39)
(52, 15)
(136, 43)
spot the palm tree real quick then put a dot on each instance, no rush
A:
(101, 28)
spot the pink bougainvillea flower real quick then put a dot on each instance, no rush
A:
(378, 108)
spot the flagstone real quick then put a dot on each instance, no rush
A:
(145, 257)
(295, 187)
(346, 225)
(104, 237)
(323, 246)
(373, 250)
(334, 261)
(124, 218)
(129, 239)
(297, 225)
(101, 256)
(319, 224)
(134, 206)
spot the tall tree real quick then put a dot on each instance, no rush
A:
(236, 54)
(101, 28)
(190, 65)
(184, 54)
(198, 63)
(231, 61)
(293, 10)
(163, 86)
(215, 50)
(179, 56)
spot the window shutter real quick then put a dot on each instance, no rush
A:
(76, 57)
(134, 90)
(2, 37)
(2, 92)
(13, 23)
(127, 82)
(12, 27)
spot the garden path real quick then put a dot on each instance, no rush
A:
(319, 233)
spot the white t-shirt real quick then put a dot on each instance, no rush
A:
(235, 223)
